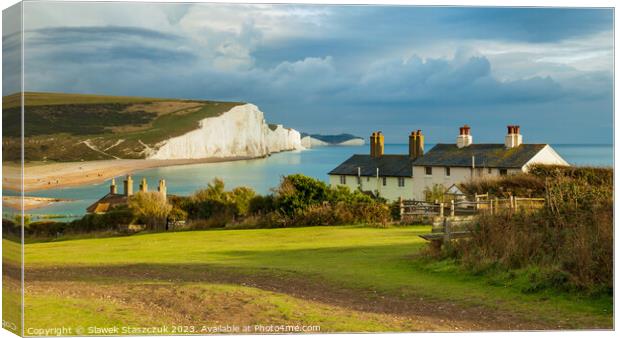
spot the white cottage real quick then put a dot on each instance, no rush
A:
(408, 176)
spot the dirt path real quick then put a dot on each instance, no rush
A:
(429, 314)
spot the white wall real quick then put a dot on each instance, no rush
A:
(390, 191)
(546, 156)
(421, 181)
(414, 187)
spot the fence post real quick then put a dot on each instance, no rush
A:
(477, 201)
(441, 209)
(451, 207)
(496, 204)
(401, 206)
(491, 206)
(515, 200)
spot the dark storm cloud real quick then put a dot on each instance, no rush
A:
(360, 68)
(77, 35)
(529, 24)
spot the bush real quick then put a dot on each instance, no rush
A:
(10, 229)
(114, 220)
(598, 176)
(524, 185)
(436, 193)
(261, 205)
(45, 229)
(217, 205)
(298, 192)
(568, 245)
(151, 208)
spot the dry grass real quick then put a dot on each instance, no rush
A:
(568, 245)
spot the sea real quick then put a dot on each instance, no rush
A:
(260, 174)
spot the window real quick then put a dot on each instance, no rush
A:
(489, 170)
(447, 171)
(367, 178)
(343, 179)
(359, 180)
(428, 170)
(503, 172)
(401, 181)
(384, 181)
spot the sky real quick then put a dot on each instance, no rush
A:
(339, 69)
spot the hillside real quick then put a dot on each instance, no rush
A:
(76, 127)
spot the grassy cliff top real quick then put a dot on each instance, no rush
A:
(42, 99)
(57, 125)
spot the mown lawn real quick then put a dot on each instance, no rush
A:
(240, 270)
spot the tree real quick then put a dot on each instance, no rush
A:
(436, 193)
(151, 207)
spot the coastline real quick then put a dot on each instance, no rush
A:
(44, 176)
(30, 202)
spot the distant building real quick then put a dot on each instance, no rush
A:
(113, 198)
(408, 176)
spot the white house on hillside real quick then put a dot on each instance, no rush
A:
(408, 176)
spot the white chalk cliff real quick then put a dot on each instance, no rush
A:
(353, 142)
(309, 142)
(241, 131)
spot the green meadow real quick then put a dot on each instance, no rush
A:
(346, 278)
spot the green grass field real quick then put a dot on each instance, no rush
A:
(340, 278)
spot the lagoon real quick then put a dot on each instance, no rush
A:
(263, 174)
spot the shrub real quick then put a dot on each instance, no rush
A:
(113, 220)
(261, 205)
(10, 229)
(568, 245)
(297, 192)
(151, 208)
(436, 193)
(46, 228)
(524, 185)
(219, 206)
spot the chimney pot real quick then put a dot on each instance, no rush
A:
(464, 138)
(413, 147)
(379, 144)
(420, 144)
(128, 185)
(373, 144)
(514, 138)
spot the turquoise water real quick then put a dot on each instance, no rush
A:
(264, 174)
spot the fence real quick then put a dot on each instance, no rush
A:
(481, 203)
(450, 219)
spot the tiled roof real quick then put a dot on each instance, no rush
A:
(447, 155)
(485, 155)
(106, 203)
(389, 165)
